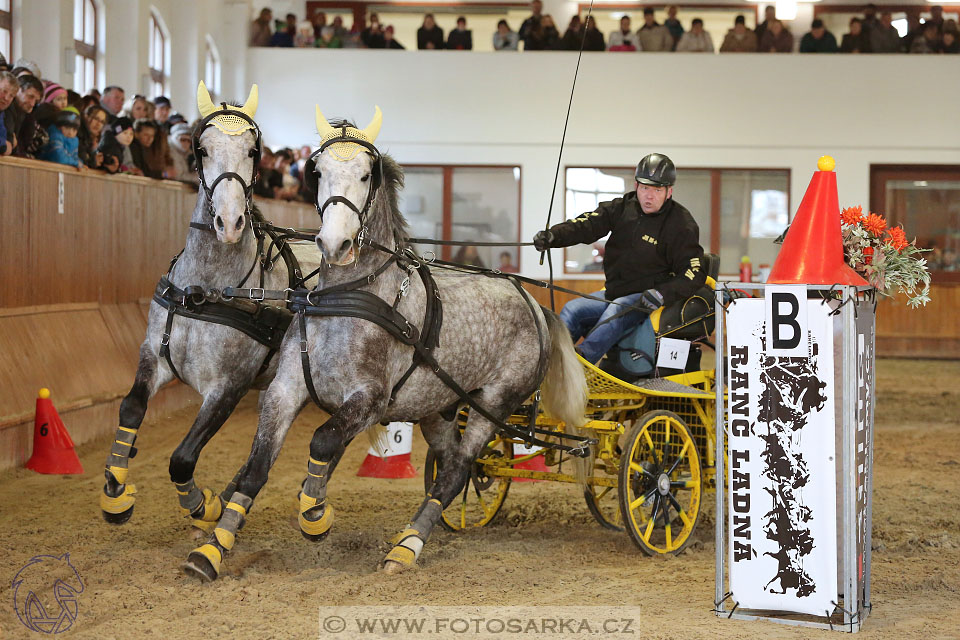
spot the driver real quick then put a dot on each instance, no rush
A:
(653, 257)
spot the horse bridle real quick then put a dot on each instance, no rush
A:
(376, 176)
(199, 153)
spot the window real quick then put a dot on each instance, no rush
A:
(6, 30)
(211, 69)
(739, 211)
(925, 199)
(159, 56)
(465, 203)
(85, 45)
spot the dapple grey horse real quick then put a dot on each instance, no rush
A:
(218, 361)
(495, 341)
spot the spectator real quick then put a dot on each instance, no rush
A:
(20, 122)
(505, 39)
(162, 113)
(870, 21)
(949, 43)
(884, 37)
(696, 40)
(506, 263)
(461, 37)
(389, 41)
(260, 29)
(914, 31)
(29, 65)
(624, 39)
(144, 132)
(530, 24)
(936, 19)
(115, 147)
(329, 38)
(112, 100)
(429, 36)
(135, 108)
(319, 21)
(818, 39)
(180, 142)
(56, 95)
(285, 159)
(352, 40)
(573, 36)
(9, 88)
(372, 36)
(546, 37)
(928, 41)
(270, 182)
(593, 40)
(776, 39)
(54, 99)
(304, 37)
(673, 25)
(468, 255)
(857, 41)
(769, 15)
(739, 39)
(283, 36)
(63, 143)
(654, 36)
(339, 31)
(88, 136)
(4, 66)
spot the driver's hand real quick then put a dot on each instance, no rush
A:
(543, 240)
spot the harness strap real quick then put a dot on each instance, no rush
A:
(165, 342)
(305, 359)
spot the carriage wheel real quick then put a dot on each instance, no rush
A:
(660, 483)
(480, 501)
(604, 506)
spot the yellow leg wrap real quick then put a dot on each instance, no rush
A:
(121, 503)
(212, 554)
(409, 531)
(402, 555)
(319, 527)
(225, 538)
(119, 473)
(212, 507)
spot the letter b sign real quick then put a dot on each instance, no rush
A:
(787, 321)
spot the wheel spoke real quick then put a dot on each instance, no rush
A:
(676, 505)
(639, 502)
(683, 452)
(605, 491)
(648, 531)
(656, 509)
(666, 433)
(646, 434)
(639, 469)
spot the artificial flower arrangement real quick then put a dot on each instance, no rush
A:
(884, 257)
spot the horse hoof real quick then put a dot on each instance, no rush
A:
(118, 518)
(392, 568)
(198, 566)
(314, 538)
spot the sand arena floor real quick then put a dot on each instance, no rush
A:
(543, 550)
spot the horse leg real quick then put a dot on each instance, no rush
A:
(281, 405)
(455, 463)
(117, 498)
(202, 505)
(443, 436)
(326, 447)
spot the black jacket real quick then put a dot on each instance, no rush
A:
(434, 35)
(645, 251)
(457, 39)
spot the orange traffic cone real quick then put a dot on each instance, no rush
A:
(395, 461)
(812, 252)
(52, 447)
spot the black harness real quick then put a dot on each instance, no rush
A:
(376, 179)
(200, 153)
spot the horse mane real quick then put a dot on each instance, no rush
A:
(391, 184)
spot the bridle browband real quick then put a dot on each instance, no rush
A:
(376, 176)
(199, 153)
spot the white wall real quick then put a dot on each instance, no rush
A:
(748, 111)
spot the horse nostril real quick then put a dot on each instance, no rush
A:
(219, 222)
(239, 224)
(345, 246)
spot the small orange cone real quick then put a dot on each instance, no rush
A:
(537, 463)
(52, 447)
(812, 252)
(395, 463)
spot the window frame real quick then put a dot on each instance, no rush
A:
(212, 52)
(715, 189)
(158, 75)
(85, 50)
(6, 24)
(446, 251)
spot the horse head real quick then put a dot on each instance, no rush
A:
(345, 173)
(227, 147)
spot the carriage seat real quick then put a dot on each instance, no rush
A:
(634, 355)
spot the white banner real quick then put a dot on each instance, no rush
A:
(780, 461)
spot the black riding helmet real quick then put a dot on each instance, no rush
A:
(656, 170)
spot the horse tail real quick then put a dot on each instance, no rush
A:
(564, 389)
(378, 436)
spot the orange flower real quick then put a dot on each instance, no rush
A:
(851, 215)
(897, 238)
(874, 224)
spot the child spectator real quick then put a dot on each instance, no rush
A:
(114, 145)
(461, 37)
(63, 143)
(429, 35)
(696, 40)
(504, 39)
(305, 37)
(739, 39)
(329, 38)
(624, 39)
(283, 36)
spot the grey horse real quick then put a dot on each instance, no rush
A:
(495, 341)
(218, 361)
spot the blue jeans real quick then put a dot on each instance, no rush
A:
(583, 314)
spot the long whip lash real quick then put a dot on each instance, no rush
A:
(563, 138)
